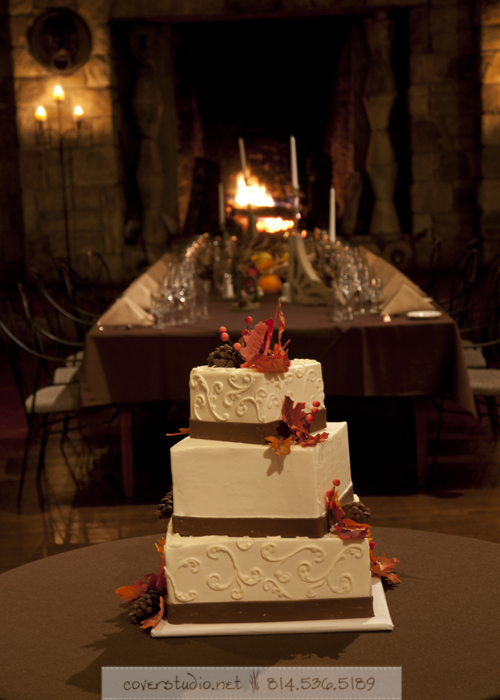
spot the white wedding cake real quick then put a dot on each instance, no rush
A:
(251, 536)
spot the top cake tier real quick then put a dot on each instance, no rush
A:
(245, 405)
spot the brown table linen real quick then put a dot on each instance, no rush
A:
(365, 357)
(61, 622)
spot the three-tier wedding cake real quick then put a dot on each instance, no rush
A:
(258, 532)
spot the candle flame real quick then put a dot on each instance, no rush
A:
(58, 93)
(78, 112)
(40, 114)
(254, 194)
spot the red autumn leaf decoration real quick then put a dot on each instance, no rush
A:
(383, 566)
(293, 416)
(281, 324)
(349, 529)
(160, 545)
(294, 419)
(254, 341)
(257, 344)
(280, 445)
(267, 340)
(270, 363)
(153, 620)
(312, 441)
(346, 528)
(131, 593)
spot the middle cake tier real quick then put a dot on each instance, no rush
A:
(234, 489)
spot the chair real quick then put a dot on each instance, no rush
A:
(47, 403)
(460, 284)
(462, 287)
(40, 335)
(488, 320)
(57, 314)
(485, 384)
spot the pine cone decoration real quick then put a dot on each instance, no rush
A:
(357, 511)
(166, 506)
(224, 356)
(145, 606)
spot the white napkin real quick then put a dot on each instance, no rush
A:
(395, 283)
(140, 292)
(404, 300)
(125, 311)
(158, 271)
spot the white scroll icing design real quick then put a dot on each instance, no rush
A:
(272, 587)
(345, 581)
(207, 398)
(304, 568)
(235, 570)
(223, 394)
(214, 580)
(194, 565)
(232, 396)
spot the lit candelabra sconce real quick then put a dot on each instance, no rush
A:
(59, 137)
(48, 136)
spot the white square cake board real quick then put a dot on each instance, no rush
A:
(381, 620)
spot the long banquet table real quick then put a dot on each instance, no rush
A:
(62, 622)
(366, 357)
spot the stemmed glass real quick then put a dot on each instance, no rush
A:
(356, 288)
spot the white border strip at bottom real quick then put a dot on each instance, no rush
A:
(381, 620)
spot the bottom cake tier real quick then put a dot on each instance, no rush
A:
(244, 579)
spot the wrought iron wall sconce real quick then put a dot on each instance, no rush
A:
(60, 138)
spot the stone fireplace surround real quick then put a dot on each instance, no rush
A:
(453, 125)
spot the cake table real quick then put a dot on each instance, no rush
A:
(61, 622)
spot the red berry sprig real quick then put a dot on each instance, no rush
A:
(314, 410)
(224, 336)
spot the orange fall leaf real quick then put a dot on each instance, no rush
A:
(280, 445)
(153, 620)
(131, 593)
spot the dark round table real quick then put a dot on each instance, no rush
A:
(62, 621)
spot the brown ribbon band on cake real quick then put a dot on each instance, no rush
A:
(251, 433)
(188, 526)
(269, 611)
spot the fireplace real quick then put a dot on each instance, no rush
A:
(263, 80)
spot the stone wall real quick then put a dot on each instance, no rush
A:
(91, 163)
(444, 124)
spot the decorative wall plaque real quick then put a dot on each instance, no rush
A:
(60, 40)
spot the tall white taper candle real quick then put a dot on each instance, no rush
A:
(222, 206)
(331, 224)
(243, 157)
(293, 159)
